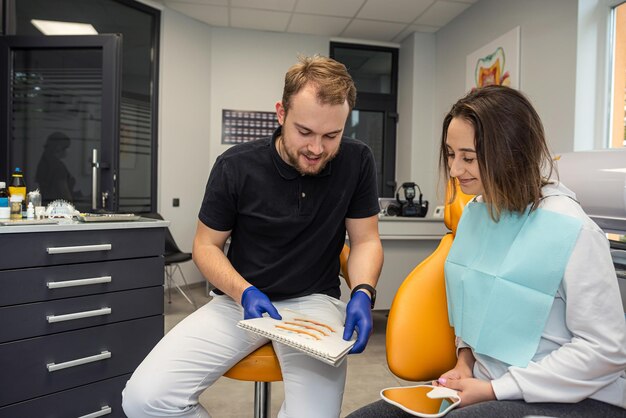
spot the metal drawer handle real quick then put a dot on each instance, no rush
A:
(52, 367)
(78, 315)
(78, 249)
(79, 282)
(106, 410)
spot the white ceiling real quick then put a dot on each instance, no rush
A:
(372, 20)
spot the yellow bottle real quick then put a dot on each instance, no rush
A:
(18, 184)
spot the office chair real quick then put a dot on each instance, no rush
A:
(419, 339)
(262, 366)
(173, 258)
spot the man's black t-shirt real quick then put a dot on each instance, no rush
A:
(288, 229)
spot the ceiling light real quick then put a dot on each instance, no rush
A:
(52, 27)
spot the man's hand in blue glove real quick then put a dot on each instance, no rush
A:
(359, 318)
(255, 303)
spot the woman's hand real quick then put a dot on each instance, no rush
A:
(471, 390)
(461, 379)
(460, 371)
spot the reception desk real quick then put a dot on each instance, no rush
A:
(406, 242)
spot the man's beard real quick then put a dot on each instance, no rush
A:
(294, 161)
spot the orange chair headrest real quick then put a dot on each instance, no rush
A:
(454, 209)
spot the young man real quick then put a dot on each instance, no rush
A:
(286, 203)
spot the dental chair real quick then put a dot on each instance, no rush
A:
(419, 339)
(262, 367)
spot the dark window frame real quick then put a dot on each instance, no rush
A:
(108, 44)
(381, 102)
(8, 27)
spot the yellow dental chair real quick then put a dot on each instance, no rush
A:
(419, 340)
(262, 367)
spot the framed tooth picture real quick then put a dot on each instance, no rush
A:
(495, 63)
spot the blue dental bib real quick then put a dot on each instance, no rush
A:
(501, 278)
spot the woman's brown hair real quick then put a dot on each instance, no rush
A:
(511, 149)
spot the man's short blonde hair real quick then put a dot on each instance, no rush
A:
(331, 78)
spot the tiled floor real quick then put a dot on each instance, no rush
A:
(367, 372)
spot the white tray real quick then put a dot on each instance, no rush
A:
(108, 217)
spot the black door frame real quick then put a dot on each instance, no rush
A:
(381, 102)
(111, 64)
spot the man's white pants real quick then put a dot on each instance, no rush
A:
(206, 344)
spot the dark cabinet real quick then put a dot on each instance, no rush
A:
(75, 324)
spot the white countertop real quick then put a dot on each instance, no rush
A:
(385, 218)
(72, 225)
(405, 228)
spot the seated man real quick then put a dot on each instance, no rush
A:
(286, 203)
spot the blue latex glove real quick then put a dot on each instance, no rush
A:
(255, 303)
(359, 318)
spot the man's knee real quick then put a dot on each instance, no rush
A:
(133, 400)
(143, 398)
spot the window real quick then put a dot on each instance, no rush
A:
(618, 105)
(373, 120)
(136, 141)
(60, 105)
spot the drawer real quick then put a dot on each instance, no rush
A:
(29, 367)
(47, 283)
(74, 403)
(53, 248)
(35, 319)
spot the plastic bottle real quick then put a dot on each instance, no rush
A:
(18, 185)
(16, 207)
(4, 195)
(5, 211)
(30, 211)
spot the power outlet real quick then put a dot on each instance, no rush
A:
(176, 202)
(439, 212)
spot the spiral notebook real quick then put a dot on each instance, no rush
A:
(320, 339)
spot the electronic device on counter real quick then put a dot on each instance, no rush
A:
(408, 207)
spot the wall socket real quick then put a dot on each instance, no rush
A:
(439, 212)
(176, 202)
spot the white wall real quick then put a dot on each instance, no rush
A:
(547, 75)
(547, 57)
(416, 154)
(248, 69)
(205, 70)
(406, 95)
(184, 146)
